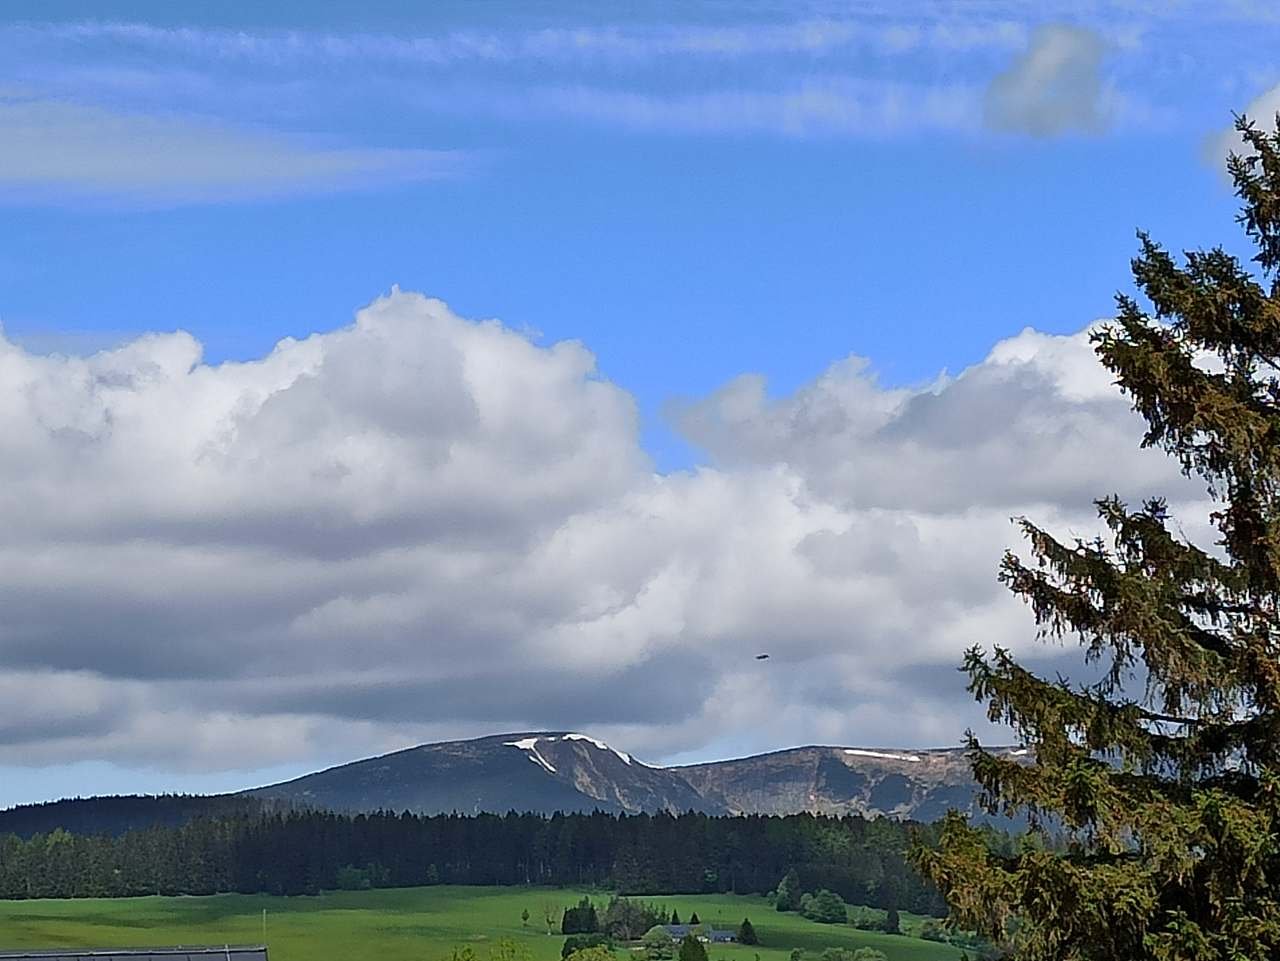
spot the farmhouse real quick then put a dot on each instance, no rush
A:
(679, 932)
(225, 953)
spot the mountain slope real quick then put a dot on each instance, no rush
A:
(916, 785)
(543, 772)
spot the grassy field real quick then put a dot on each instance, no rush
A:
(408, 924)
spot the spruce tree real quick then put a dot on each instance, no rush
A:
(1161, 773)
(747, 933)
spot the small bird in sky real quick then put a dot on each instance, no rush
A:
(762, 657)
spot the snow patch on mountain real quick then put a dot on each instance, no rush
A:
(530, 745)
(862, 752)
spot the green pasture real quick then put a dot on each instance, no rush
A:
(409, 924)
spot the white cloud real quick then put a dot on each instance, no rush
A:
(1054, 87)
(59, 151)
(421, 526)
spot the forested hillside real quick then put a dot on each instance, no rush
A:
(117, 814)
(305, 852)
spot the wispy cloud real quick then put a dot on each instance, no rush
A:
(809, 37)
(819, 107)
(61, 151)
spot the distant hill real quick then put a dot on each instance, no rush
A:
(118, 814)
(545, 772)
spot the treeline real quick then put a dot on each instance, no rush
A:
(304, 852)
(117, 814)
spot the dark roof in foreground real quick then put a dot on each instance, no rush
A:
(226, 953)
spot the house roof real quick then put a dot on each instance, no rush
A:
(224, 953)
(682, 930)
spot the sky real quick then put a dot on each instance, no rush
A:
(384, 373)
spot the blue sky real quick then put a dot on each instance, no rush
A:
(696, 192)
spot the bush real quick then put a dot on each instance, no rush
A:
(658, 945)
(869, 954)
(691, 949)
(580, 942)
(933, 930)
(597, 952)
(825, 906)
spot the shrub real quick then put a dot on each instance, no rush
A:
(580, 942)
(933, 930)
(826, 907)
(691, 949)
(596, 952)
(658, 945)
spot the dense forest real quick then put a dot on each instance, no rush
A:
(303, 852)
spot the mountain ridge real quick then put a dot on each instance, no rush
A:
(545, 772)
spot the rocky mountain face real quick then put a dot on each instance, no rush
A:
(907, 785)
(559, 771)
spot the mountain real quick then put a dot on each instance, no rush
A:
(543, 772)
(903, 784)
(561, 771)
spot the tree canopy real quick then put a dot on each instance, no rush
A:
(1160, 772)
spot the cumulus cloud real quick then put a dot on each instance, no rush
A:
(56, 150)
(1054, 87)
(422, 526)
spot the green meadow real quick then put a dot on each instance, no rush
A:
(410, 924)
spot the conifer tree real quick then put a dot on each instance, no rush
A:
(747, 933)
(1163, 769)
